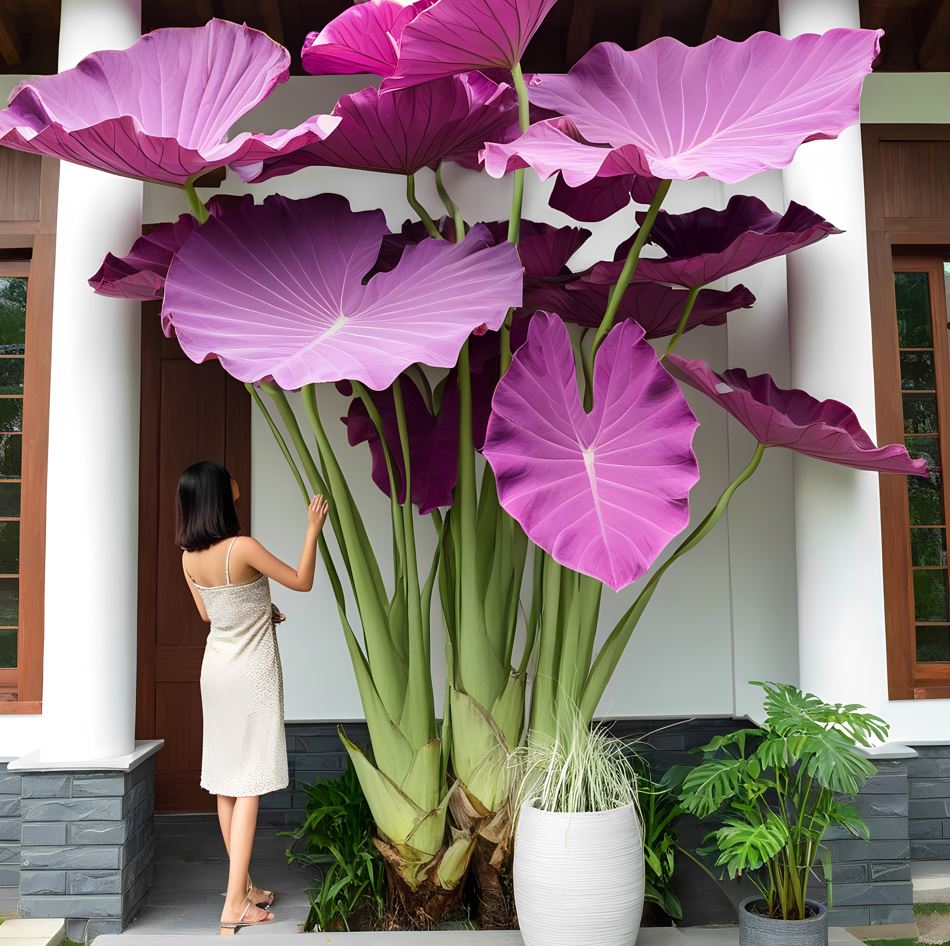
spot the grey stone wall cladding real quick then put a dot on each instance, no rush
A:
(87, 846)
(929, 776)
(9, 827)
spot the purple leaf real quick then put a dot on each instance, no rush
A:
(776, 417)
(402, 132)
(160, 110)
(705, 245)
(454, 36)
(433, 443)
(723, 109)
(602, 492)
(656, 307)
(601, 196)
(275, 290)
(141, 273)
(362, 39)
(543, 248)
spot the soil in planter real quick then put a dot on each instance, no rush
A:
(758, 908)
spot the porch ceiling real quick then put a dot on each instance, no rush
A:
(918, 31)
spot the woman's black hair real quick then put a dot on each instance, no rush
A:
(204, 507)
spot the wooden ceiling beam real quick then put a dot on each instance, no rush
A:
(935, 42)
(651, 22)
(578, 33)
(11, 44)
(717, 19)
(269, 13)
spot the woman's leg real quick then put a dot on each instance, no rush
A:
(225, 813)
(240, 845)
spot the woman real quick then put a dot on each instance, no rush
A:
(244, 751)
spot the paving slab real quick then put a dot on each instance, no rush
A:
(32, 932)
(667, 936)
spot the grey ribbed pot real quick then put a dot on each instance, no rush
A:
(755, 930)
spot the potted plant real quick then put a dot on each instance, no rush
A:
(578, 858)
(776, 790)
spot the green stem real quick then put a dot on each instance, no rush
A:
(194, 201)
(419, 209)
(281, 442)
(629, 266)
(420, 707)
(517, 201)
(614, 646)
(684, 318)
(451, 207)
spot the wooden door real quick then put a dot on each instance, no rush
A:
(189, 412)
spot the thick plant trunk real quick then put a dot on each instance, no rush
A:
(491, 874)
(420, 907)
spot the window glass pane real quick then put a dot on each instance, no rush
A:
(933, 643)
(12, 313)
(9, 548)
(917, 370)
(926, 447)
(8, 647)
(11, 375)
(11, 413)
(10, 449)
(920, 413)
(930, 595)
(912, 292)
(9, 601)
(9, 499)
(928, 546)
(925, 500)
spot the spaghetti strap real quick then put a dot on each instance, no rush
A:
(227, 562)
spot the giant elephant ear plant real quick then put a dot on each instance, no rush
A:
(456, 337)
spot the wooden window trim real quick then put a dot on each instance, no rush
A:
(38, 241)
(889, 238)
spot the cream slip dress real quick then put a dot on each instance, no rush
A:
(244, 748)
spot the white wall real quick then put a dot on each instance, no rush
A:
(681, 660)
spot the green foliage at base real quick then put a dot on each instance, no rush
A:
(337, 836)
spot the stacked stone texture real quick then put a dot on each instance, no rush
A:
(88, 840)
(930, 803)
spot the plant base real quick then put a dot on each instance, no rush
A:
(758, 930)
(416, 908)
(491, 870)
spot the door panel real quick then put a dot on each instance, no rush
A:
(189, 412)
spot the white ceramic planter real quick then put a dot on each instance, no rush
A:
(578, 878)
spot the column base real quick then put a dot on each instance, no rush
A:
(87, 839)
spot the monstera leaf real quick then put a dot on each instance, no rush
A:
(723, 109)
(161, 109)
(275, 291)
(602, 492)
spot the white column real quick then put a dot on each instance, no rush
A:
(92, 499)
(837, 513)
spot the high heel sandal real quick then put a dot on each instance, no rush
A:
(231, 927)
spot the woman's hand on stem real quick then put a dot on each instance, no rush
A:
(317, 513)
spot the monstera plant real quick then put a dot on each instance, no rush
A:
(458, 339)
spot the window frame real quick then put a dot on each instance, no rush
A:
(27, 248)
(906, 222)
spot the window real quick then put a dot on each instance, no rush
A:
(915, 519)
(28, 190)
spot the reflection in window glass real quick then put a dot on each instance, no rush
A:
(12, 314)
(917, 371)
(933, 644)
(9, 499)
(11, 375)
(913, 310)
(928, 547)
(8, 647)
(930, 594)
(9, 601)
